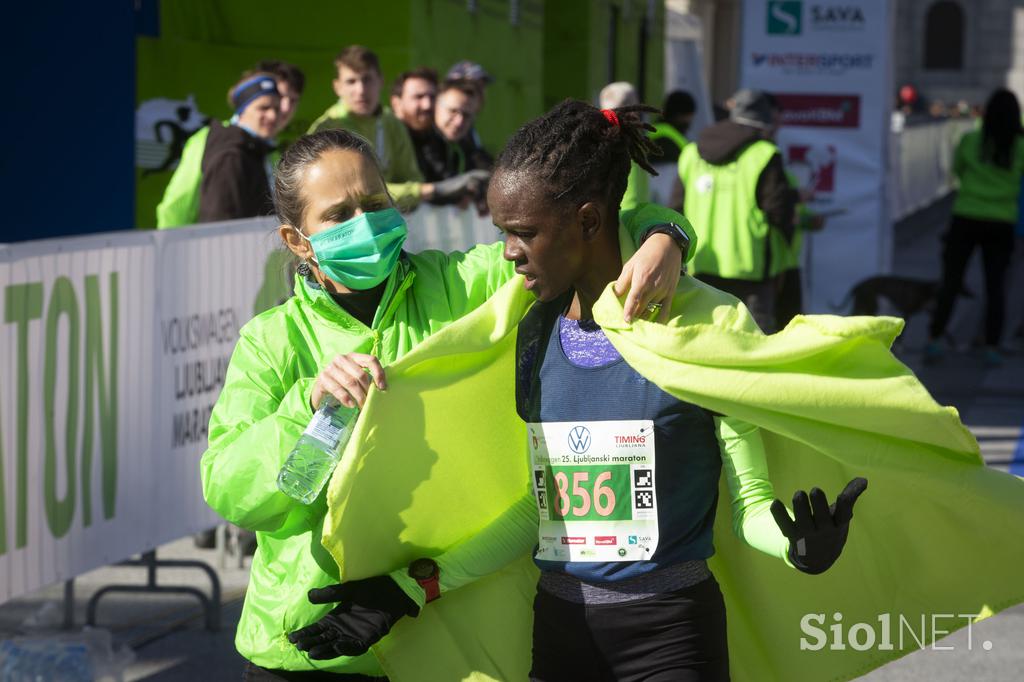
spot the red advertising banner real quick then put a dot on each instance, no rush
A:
(824, 111)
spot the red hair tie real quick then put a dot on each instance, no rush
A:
(611, 116)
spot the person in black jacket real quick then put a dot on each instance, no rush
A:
(753, 118)
(413, 96)
(236, 171)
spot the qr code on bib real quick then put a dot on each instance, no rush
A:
(644, 499)
(538, 480)
(643, 478)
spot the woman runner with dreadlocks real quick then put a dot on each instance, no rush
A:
(625, 475)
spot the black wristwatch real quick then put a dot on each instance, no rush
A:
(673, 230)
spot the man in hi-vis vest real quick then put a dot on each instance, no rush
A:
(735, 192)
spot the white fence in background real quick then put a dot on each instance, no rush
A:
(921, 162)
(114, 351)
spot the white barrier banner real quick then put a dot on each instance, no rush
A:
(921, 164)
(829, 63)
(114, 352)
(76, 406)
(211, 282)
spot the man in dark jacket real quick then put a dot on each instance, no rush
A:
(413, 96)
(735, 193)
(235, 169)
(414, 100)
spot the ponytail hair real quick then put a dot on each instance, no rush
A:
(1000, 128)
(579, 153)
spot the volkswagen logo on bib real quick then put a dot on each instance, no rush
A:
(579, 439)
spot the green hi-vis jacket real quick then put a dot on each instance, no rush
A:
(390, 140)
(987, 191)
(721, 203)
(638, 188)
(264, 408)
(937, 532)
(180, 203)
(667, 130)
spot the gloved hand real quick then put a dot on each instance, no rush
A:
(367, 611)
(468, 182)
(816, 539)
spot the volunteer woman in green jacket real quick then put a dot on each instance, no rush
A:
(359, 304)
(989, 164)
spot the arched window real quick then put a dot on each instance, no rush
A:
(944, 36)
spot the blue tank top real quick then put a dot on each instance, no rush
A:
(687, 456)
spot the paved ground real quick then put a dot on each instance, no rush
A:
(170, 644)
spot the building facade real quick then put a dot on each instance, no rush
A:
(949, 50)
(955, 50)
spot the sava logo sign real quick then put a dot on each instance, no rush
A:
(786, 17)
(837, 18)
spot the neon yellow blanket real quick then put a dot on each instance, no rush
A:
(442, 453)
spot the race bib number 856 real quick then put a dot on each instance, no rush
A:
(594, 485)
(589, 492)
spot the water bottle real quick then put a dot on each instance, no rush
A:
(45, 669)
(9, 661)
(73, 664)
(312, 460)
(16, 665)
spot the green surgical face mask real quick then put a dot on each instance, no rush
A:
(362, 251)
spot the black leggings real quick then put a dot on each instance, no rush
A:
(790, 301)
(679, 636)
(996, 242)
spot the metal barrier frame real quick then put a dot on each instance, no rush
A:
(148, 560)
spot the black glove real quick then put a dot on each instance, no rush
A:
(367, 611)
(464, 183)
(816, 539)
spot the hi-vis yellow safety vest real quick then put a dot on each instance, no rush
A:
(721, 204)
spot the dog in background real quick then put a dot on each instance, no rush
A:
(908, 295)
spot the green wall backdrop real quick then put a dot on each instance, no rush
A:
(539, 53)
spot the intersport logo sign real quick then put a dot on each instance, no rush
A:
(812, 62)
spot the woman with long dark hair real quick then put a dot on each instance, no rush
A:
(989, 164)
